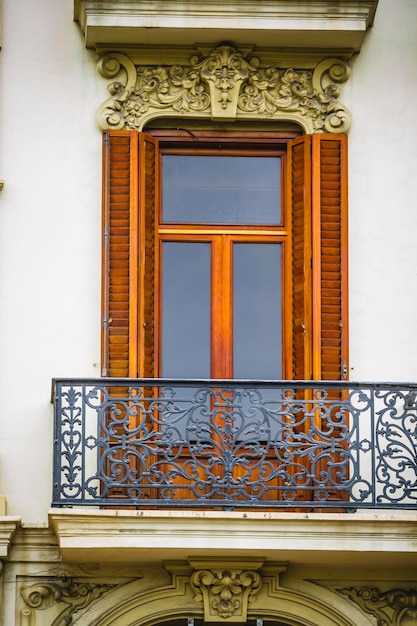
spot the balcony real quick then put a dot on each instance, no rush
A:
(227, 445)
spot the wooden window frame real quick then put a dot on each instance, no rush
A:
(315, 327)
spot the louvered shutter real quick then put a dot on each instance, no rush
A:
(299, 198)
(317, 170)
(148, 207)
(329, 253)
(129, 195)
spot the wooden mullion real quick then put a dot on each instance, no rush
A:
(221, 308)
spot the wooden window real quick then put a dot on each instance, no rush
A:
(302, 240)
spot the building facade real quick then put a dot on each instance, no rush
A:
(194, 195)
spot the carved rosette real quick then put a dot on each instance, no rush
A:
(225, 593)
(73, 595)
(224, 85)
(397, 607)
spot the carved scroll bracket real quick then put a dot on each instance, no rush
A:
(226, 589)
(71, 596)
(224, 85)
(397, 607)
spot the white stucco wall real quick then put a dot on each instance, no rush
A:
(383, 198)
(50, 215)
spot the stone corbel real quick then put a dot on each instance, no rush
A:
(72, 596)
(224, 85)
(397, 607)
(226, 588)
(8, 527)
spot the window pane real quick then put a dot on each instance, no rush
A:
(186, 310)
(257, 312)
(221, 190)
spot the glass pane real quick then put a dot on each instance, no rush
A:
(221, 190)
(257, 311)
(186, 310)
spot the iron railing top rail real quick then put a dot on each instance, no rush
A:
(235, 382)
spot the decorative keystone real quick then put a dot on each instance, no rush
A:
(226, 589)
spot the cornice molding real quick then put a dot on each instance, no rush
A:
(363, 539)
(224, 84)
(309, 24)
(8, 527)
(396, 607)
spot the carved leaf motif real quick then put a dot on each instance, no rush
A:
(224, 81)
(391, 608)
(226, 590)
(74, 595)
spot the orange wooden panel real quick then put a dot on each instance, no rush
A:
(329, 216)
(118, 153)
(299, 199)
(143, 292)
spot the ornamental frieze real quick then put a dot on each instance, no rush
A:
(397, 607)
(224, 85)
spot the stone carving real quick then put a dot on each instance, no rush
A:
(224, 85)
(225, 592)
(74, 595)
(397, 607)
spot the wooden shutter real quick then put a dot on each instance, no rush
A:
(317, 174)
(299, 196)
(129, 195)
(148, 207)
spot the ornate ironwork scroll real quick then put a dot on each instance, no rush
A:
(233, 444)
(224, 85)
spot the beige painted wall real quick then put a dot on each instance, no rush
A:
(50, 212)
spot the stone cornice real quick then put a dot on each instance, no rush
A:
(224, 84)
(8, 527)
(304, 538)
(310, 24)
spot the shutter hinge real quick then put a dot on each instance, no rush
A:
(107, 321)
(106, 139)
(344, 370)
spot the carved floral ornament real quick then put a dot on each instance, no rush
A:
(397, 607)
(225, 592)
(70, 595)
(224, 86)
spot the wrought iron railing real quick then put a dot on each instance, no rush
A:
(228, 444)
